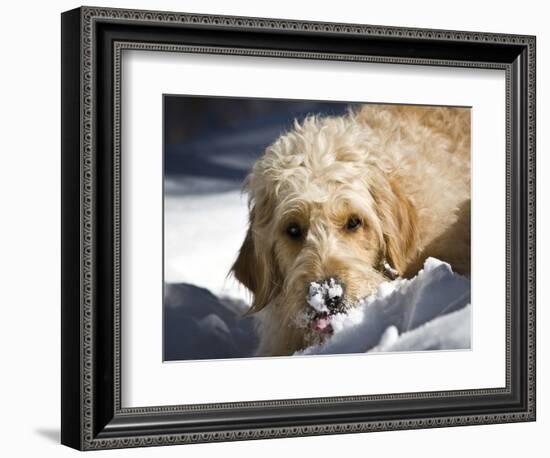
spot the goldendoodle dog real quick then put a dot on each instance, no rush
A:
(339, 205)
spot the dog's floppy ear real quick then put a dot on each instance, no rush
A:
(255, 269)
(399, 223)
(244, 267)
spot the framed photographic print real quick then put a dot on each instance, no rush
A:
(277, 228)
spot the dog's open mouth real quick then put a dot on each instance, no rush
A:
(321, 324)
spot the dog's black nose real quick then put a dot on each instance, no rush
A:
(334, 303)
(326, 296)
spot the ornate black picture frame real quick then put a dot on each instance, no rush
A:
(92, 42)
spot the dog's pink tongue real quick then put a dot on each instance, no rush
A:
(322, 325)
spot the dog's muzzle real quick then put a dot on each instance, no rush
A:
(326, 298)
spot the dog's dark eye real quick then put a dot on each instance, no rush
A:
(353, 223)
(294, 231)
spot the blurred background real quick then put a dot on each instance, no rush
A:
(211, 142)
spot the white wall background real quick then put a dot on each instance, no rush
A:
(30, 240)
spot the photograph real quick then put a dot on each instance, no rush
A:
(314, 227)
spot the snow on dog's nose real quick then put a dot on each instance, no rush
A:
(325, 298)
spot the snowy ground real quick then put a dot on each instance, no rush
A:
(202, 236)
(429, 312)
(204, 307)
(200, 325)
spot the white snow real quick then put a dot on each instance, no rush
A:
(203, 234)
(334, 289)
(389, 338)
(316, 298)
(447, 332)
(320, 293)
(406, 315)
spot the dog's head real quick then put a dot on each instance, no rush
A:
(323, 212)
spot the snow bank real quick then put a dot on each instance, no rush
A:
(428, 312)
(447, 332)
(406, 315)
(200, 325)
(203, 234)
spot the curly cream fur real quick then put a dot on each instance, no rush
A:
(404, 171)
